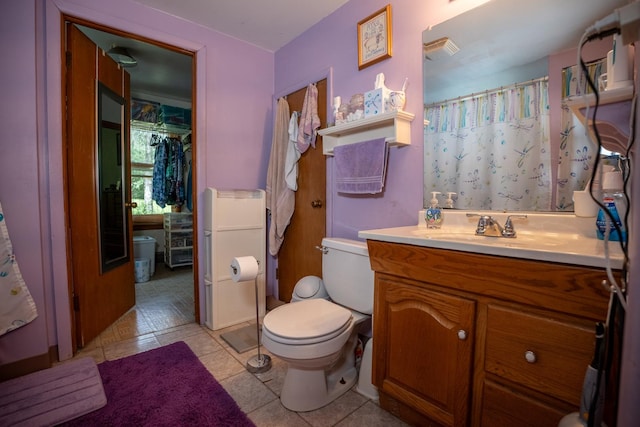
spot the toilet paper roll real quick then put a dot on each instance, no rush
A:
(244, 268)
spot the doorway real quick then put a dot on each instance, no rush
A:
(167, 284)
(298, 255)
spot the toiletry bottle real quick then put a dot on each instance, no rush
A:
(449, 202)
(433, 214)
(615, 202)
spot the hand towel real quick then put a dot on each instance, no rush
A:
(309, 119)
(361, 167)
(293, 155)
(280, 199)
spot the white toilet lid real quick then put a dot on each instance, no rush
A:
(308, 320)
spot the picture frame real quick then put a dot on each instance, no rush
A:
(374, 38)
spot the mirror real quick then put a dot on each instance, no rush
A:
(503, 43)
(114, 227)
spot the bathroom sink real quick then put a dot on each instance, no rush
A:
(560, 238)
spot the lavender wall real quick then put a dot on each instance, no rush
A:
(233, 116)
(332, 42)
(20, 178)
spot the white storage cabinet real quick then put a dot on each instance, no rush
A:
(178, 239)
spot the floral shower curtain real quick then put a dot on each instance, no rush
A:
(577, 150)
(492, 149)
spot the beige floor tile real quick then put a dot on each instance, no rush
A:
(248, 391)
(371, 415)
(221, 365)
(275, 415)
(200, 343)
(336, 411)
(130, 347)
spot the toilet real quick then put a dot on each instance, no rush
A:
(317, 337)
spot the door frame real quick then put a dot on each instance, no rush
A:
(65, 17)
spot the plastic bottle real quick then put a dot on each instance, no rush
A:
(433, 214)
(615, 202)
(449, 202)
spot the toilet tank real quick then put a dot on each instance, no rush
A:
(347, 274)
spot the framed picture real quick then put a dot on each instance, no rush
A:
(374, 38)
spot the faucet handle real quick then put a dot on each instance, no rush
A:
(483, 222)
(508, 230)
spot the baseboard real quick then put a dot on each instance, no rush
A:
(27, 366)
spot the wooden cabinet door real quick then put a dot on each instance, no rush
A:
(423, 349)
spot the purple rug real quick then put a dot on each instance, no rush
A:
(167, 386)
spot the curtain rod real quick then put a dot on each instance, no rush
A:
(488, 91)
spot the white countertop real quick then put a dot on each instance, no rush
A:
(561, 238)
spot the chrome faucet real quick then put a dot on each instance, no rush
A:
(488, 226)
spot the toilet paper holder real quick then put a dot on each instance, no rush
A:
(260, 362)
(235, 269)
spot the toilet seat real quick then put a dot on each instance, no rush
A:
(306, 322)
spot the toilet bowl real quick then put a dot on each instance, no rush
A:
(317, 338)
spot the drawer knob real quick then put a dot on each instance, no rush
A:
(530, 356)
(462, 335)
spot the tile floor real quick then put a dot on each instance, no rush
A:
(164, 314)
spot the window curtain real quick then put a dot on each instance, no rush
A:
(577, 150)
(491, 149)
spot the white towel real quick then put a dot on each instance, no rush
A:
(309, 119)
(293, 155)
(280, 199)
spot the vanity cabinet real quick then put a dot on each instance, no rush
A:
(466, 339)
(423, 348)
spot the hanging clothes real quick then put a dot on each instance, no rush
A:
(174, 173)
(168, 177)
(309, 119)
(158, 193)
(293, 154)
(280, 199)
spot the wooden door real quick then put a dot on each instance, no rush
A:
(298, 256)
(101, 292)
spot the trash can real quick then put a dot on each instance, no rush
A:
(142, 270)
(145, 247)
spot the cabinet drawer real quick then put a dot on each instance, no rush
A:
(541, 353)
(178, 221)
(504, 407)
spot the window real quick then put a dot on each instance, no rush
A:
(142, 158)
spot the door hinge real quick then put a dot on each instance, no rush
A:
(76, 303)
(277, 275)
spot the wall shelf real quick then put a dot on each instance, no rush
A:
(395, 127)
(614, 111)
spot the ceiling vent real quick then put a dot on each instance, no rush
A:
(441, 48)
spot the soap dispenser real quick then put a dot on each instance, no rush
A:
(449, 202)
(433, 214)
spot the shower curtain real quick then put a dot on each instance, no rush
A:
(17, 307)
(577, 150)
(492, 149)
